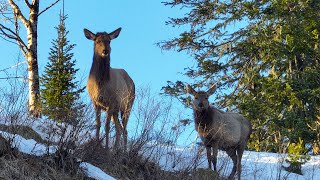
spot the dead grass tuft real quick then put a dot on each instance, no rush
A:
(4, 146)
(204, 174)
(24, 131)
(119, 164)
(131, 165)
(32, 167)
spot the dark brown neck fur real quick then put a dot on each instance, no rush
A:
(100, 68)
(203, 119)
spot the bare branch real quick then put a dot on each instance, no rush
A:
(12, 35)
(3, 7)
(8, 40)
(17, 12)
(20, 42)
(14, 66)
(5, 17)
(3, 28)
(5, 11)
(15, 77)
(28, 4)
(48, 7)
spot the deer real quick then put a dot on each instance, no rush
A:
(111, 90)
(219, 130)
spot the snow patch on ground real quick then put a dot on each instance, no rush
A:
(30, 146)
(255, 165)
(95, 172)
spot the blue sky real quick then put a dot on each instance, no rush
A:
(143, 25)
(135, 50)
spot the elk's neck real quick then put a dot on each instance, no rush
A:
(100, 69)
(203, 119)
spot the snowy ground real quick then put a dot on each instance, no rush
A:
(255, 165)
(30, 146)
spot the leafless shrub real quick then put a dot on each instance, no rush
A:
(13, 98)
(31, 167)
(154, 130)
(67, 138)
(5, 147)
(14, 122)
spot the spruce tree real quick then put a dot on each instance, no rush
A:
(264, 58)
(60, 91)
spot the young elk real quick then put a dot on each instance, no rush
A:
(111, 90)
(219, 130)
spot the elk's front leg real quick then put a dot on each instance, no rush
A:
(118, 129)
(214, 157)
(98, 122)
(209, 157)
(107, 128)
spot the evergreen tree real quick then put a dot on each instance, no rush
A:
(60, 92)
(266, 53)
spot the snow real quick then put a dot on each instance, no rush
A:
(255, 165)
(28, 146)
(95, 172)
(45, 126)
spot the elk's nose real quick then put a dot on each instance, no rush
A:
(200, 105)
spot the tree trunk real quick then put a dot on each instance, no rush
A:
(28, 49)
(33, 72)
(33, 77)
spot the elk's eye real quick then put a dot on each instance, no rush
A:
(195, 97)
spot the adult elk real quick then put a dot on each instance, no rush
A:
(111, 90)
(220, 130)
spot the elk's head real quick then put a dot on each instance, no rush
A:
(102, 41)
(200, 98)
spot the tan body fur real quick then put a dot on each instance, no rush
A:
(228, 126)
(113, 94)
(226, 131)
(111, 90)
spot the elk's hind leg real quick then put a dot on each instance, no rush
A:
(240, 151)
(232, 153)
(125, 118)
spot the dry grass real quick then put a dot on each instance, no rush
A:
(24, 131)
(22, 166)
(131, 165)
(154, 123)
(16, 165)
(119, 164)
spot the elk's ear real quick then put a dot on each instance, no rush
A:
(115, 33)
(89, 35)
(212, 90)
(190, 90)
